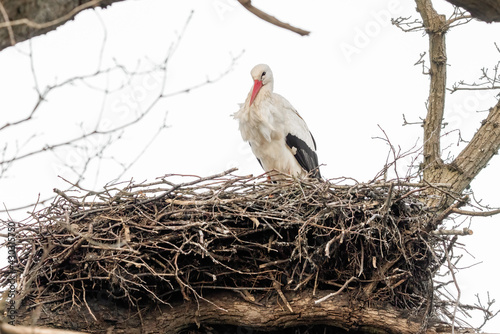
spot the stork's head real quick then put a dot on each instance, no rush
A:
(262, 77)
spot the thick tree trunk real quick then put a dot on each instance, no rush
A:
(474, 157)
(22, 20)
(485, 143)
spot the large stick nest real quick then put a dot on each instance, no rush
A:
(168, 240)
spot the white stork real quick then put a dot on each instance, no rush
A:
(278, 136)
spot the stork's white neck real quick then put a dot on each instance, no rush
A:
(264, 94)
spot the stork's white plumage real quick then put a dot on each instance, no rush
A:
(279, 137)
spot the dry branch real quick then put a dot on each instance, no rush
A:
(477, 213)
(464, 231)
(271, 19)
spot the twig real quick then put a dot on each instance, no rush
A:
(464, 231)
(277, 287)
(7, 21)
(330, 295)
(86, 304)
(387, 205)
(457, 301)
(476, 213)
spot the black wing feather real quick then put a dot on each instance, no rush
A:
(306, 157)
(314, 141)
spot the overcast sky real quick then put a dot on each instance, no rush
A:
(353, 76)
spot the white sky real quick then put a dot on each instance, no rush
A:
(356, 71)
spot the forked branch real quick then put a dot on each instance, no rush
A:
(485, 143)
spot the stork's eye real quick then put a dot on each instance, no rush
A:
(263, 74)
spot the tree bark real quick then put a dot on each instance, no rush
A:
(486, 141)
(484, 10)
(474, 157)
(436, 28)
(231, 309)
(22, 20)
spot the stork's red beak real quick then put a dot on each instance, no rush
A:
(256, 87)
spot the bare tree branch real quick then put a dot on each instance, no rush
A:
(451, 268)
(487, 313)
(271, 19)
(436, 27)
(487, 81)
(106, 136)
(485, 143)
(464, 231)
(476, 213)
